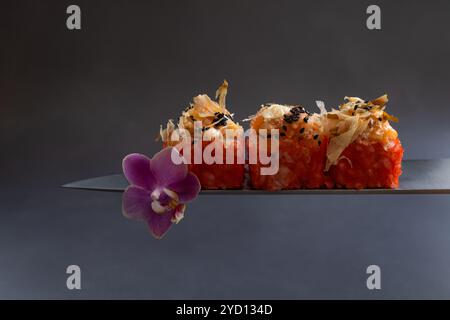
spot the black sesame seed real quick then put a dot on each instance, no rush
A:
(355, 107)
(289, 118)
(302, 130)
(379, 119)
(222, 122)
(315, 136)
(319, 142)
(297, 110)
(284, 127)
(305, 119)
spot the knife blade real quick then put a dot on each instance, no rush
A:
(419, 177)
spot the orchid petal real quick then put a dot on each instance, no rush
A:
(159, 224)
(136, 168)
(186, 189)
(165, 170)
(136, 203)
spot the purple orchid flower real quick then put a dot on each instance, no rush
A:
(159, 189)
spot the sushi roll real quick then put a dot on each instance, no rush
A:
(302, 148)
(215, 124)
(364, 151)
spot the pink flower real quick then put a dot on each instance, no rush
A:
(158, 191)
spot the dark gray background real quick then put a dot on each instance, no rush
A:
(73, 103)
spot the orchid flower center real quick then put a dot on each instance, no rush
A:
(164, 200)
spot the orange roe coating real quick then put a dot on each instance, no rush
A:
(220, 176)
(301, 165)
(368, 165)
(302, 149)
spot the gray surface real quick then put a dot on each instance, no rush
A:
(72, 104)
(418, 177)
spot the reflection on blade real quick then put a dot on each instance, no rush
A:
(419, 177)
(115, 183)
